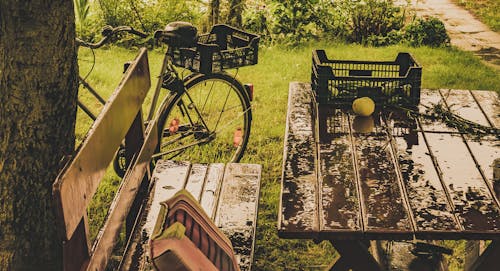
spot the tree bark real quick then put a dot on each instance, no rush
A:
(38, 92)
(214, 12)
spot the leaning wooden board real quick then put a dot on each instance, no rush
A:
(229, 194)
(404, 177)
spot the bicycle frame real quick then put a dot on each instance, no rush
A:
(194, 130)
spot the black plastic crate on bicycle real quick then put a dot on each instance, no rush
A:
(225, 47)
(386, 82)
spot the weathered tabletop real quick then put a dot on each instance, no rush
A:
(228, 193)
(389, 176)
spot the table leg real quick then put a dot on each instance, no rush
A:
(340, 265)
(488, 261)
(355, 255)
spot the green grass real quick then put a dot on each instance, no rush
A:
(486, 10)
(442, 68)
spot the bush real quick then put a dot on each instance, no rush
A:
(293, 21)
(393, 37)
(430, 32)
(374, 18)
(255, 20)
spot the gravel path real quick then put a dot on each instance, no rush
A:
(466, 32)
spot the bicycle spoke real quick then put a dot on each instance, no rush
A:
(222, 110)
(215, 116)
(176, 149)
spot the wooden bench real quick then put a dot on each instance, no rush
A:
(229, 194)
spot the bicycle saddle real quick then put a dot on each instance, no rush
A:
(179, 34)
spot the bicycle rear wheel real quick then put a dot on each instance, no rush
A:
(209, 122)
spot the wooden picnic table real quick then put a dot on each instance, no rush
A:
(391, 176)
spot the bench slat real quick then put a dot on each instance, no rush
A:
(75, 187)
(196, 180)
(212, 188)
(299, 203)
(237, 209)
(385, 209)
(428, 200)
(123, 201)
(340, 207)
(490, 104)
(169, 177)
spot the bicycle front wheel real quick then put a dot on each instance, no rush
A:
(208, 122)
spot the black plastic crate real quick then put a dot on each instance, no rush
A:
(342, 81)
(225, 47)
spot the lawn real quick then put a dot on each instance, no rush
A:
(442, 68)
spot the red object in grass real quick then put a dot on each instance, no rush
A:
(174, 126)
(249, 88)
(238, 137)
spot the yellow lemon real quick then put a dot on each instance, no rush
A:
(363, 124)
(363, 106)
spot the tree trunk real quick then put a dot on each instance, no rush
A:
(213, 12)
(38, 92)
(235, 10)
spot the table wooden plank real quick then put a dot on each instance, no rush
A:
(472, 200)
(487, 152)
(473, 204)
(462, 103)
(428, 200)
(484, 150)
(490, 104)
(211, 190)
(428, 99)
(196, 180)
(339, 208)
(237, 210)
(299, 203)
(487, 148)
(386, 212)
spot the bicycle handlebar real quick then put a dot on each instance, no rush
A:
(108, 32)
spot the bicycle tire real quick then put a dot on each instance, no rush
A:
(203, 85)
(120, 162)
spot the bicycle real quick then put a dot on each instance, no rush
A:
(206, 115)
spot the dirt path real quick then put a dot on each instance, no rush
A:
(466, 32)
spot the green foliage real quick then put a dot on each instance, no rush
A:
(374, 18)
(146, 16)
(294, 21)
(82, 8)
(157, 14)
(430, 32)
(393, 37)
(442, 68)
(255, 20)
